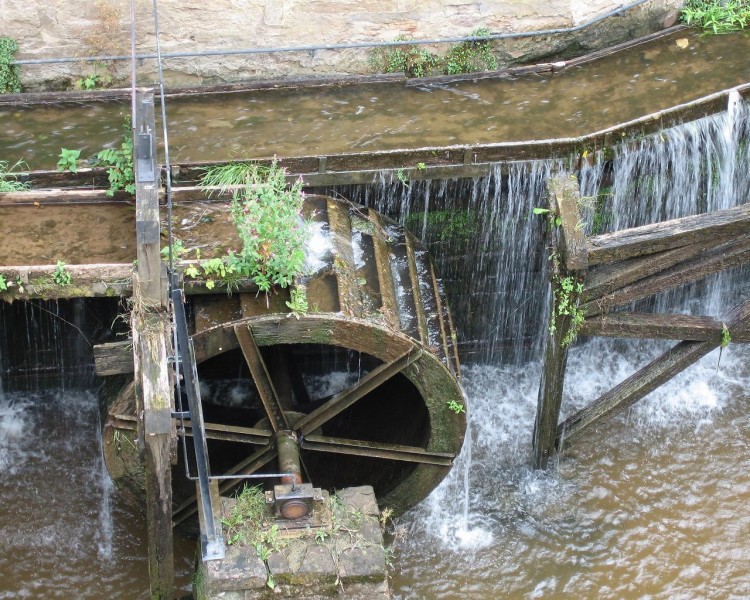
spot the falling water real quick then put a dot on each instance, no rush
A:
(487, 245)
(631, 511)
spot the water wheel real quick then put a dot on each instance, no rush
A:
(364, 379)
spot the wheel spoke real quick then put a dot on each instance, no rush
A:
(259, 372)
(320, 443)
(349, 396)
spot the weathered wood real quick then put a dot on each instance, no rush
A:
(113, 358)
(416, 289)
(550, 392)
(320, 443)
(388, 304)
(728, 254)
(63, 196)
(647, 379)
(697, 229)
(564, 197)
(343, 261)
(154, 401)
(635, 387)
(605, 279)
(266, 390)
(658, 326)
(148, 231)
(84, 177)
(87, 281)
(349, 396)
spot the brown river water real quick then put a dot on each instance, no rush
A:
(653, 504)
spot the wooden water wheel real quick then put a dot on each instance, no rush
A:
(364, 379)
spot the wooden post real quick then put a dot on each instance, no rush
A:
(151, 343)
(568, 262)
(147, 200)
(154, 397)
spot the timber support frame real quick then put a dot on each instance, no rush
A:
(609, 271)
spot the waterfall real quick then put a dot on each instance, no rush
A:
(487, 246)
(690, 169)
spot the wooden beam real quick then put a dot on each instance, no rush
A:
(64, 196)
(147, 183)
(349, 396)
(647, 379)
(564, 196)
(154, 401)
(333, 445)
(728, 254)
(658, 326)
(87, 281)
(113, 358)
(648, 239)
(606, 279)
(266, 390)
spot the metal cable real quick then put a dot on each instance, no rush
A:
(495, 36)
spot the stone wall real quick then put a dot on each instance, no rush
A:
(66, 28)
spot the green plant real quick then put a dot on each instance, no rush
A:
(456, 407)
(249, 523)
(402, 177)
(717, 16)
(119, 163)
(100, 78)
(298, 303)
(410, 59)
(3, 283)
(68, 160)
(8, 180)
(61, 275)
(725, 337)
(566, 291)
(9, 82)
(421, 166)
(472, 56)
(267, 215)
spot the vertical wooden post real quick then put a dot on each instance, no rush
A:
(151, 347)
(147, 200)
(568, 265)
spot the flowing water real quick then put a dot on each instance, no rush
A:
(649, 505)
(362, 118)
(652, 504)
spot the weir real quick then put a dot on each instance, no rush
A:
(607, 255)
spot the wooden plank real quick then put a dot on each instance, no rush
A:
(63, 196)
(148, 232)
(113, 358)
(417, 290)
(647, 379)
(343, 260)
(729, 254)
(564, 197)
(605, 279)
(87, 281)
(381, 250)
(349, 396)
(648, 239)
(658, 326)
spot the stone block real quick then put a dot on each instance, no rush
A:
(362, 565)
(360, 499)
(241, 569)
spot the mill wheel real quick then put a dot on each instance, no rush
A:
(364, 379)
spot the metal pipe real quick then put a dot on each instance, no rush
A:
(283, 49)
